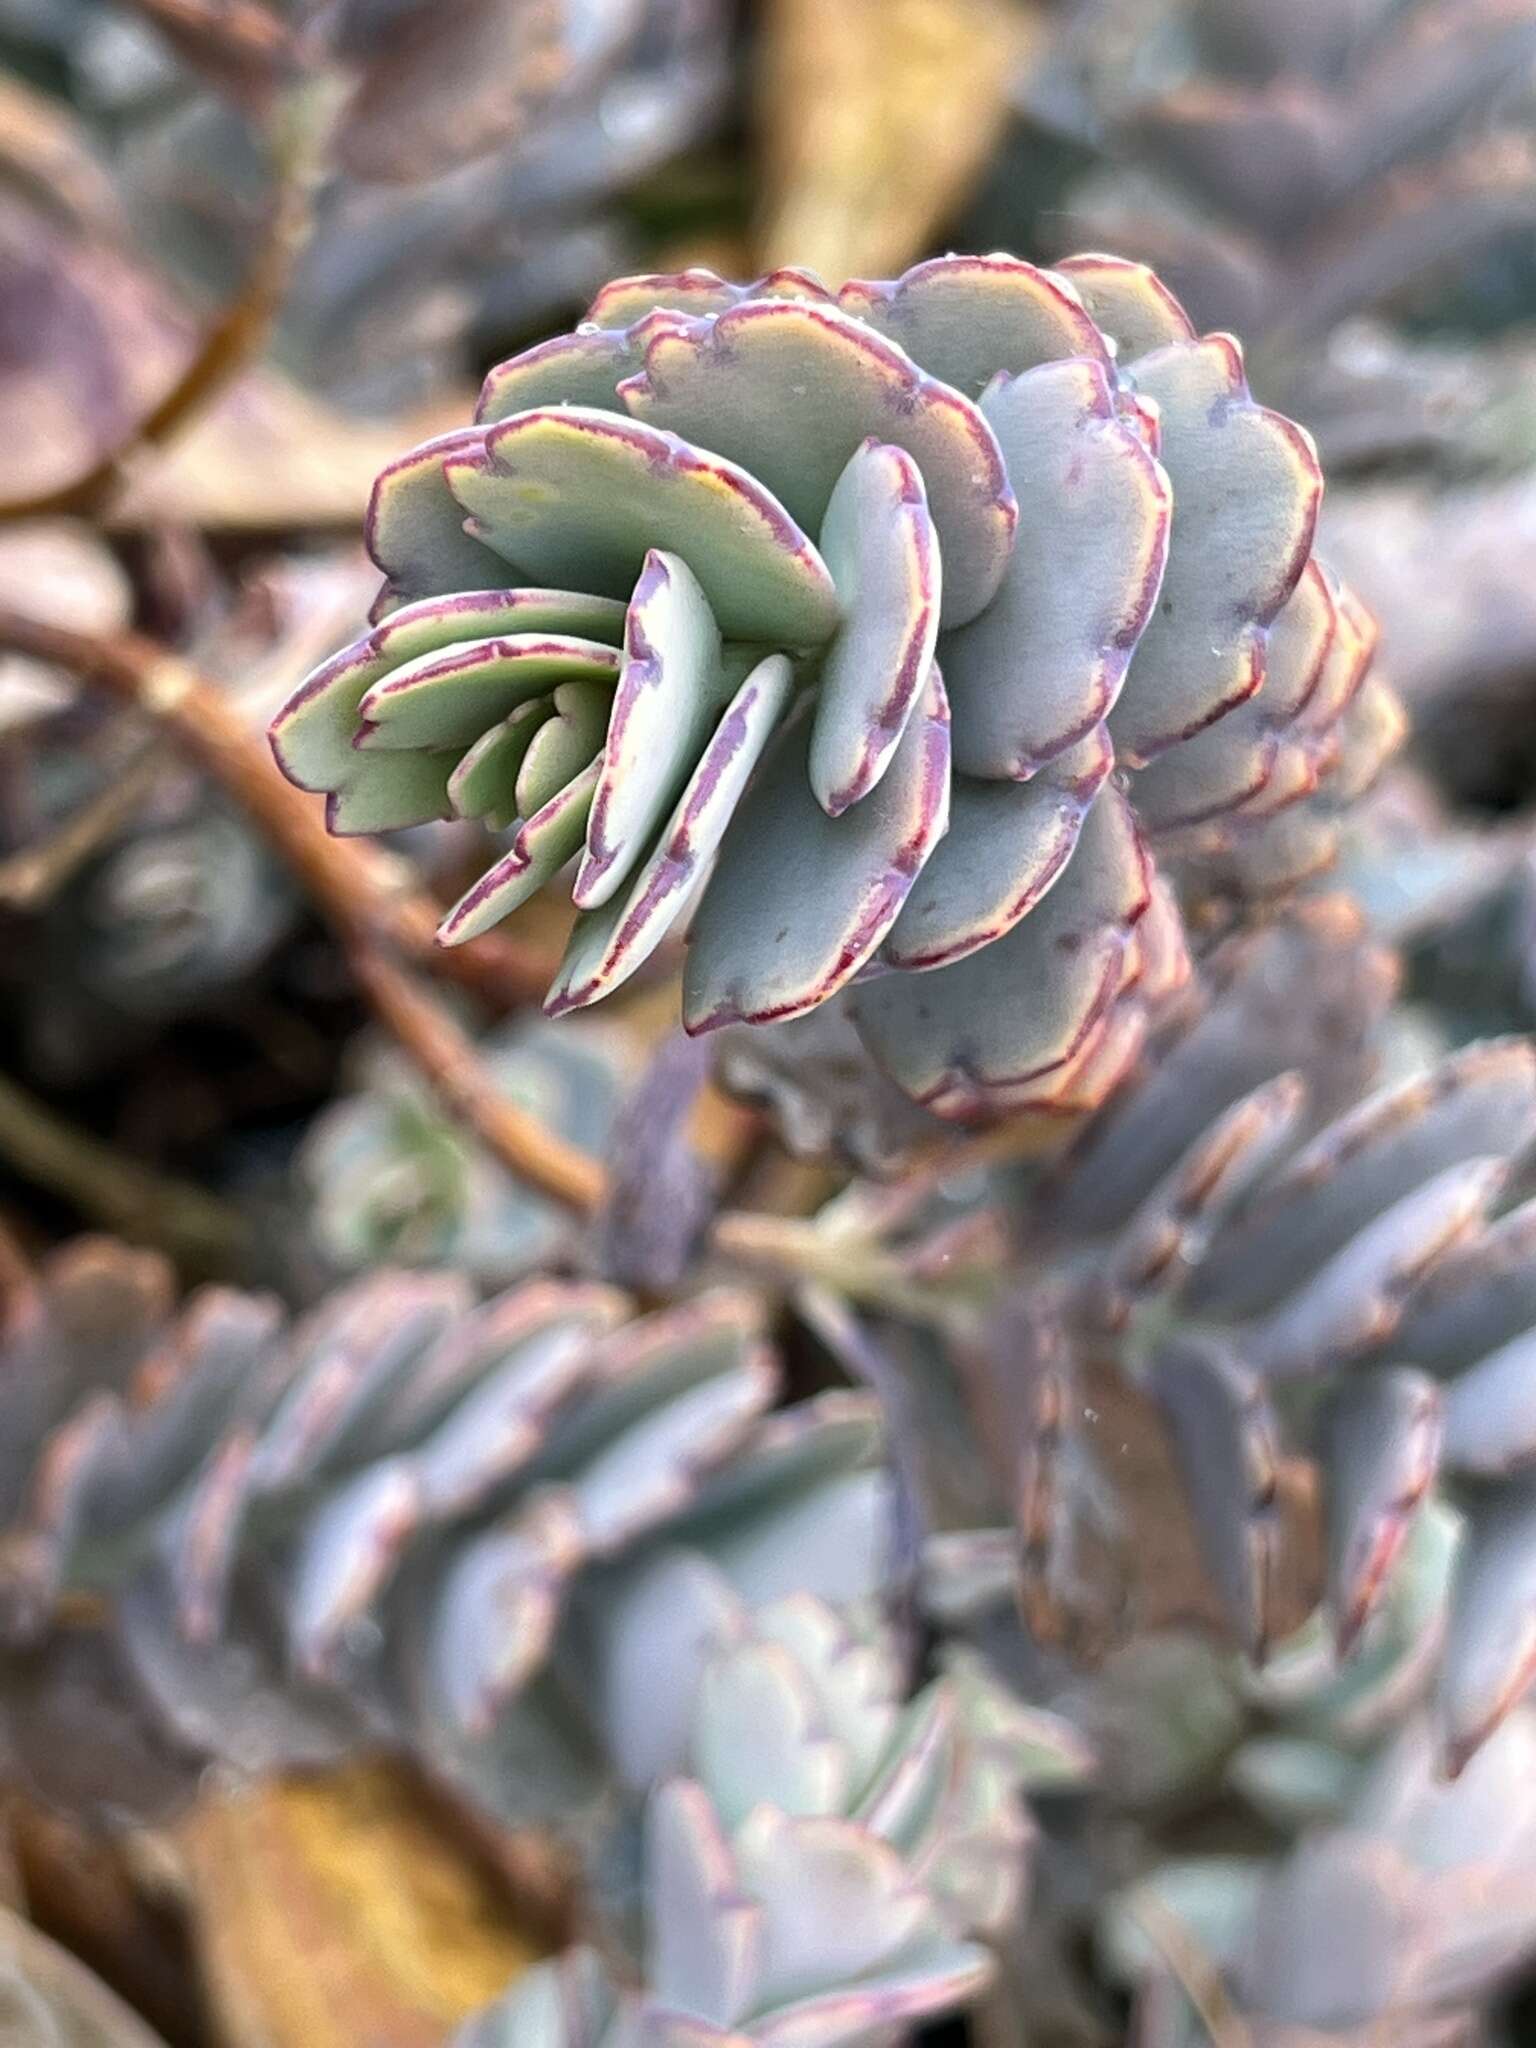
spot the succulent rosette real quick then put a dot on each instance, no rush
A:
(905, 620)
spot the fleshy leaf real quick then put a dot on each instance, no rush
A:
(584, 497)
(799, 901)
(484, 785)
(878, 541)
(544, 843)
(448, 698)
(1381, 1453)
(1129, 302)
(1225, 1444)
(1007, 844)
(790, 389)
(705, 1933)
(964, 318)
(1490, 1651)
(1045, 662)
(1490, 1411)
(671, 690)
(312, 735)
(1234, 762)
(608, 945)
(584, 368)
(1246, 487)
(759, 1735)
(566, 744)
(1023, 1007)
(415, 530)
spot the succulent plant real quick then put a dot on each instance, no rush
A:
(391, 1181)
(1364, 1294)
(408, 1519)
(855, 603)
(1396, 1920)
(822, 1872)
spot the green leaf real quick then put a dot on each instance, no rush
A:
(964, 318)
(1045, 662)
(584, 497)
(544, 843)
(799, 901)
(672, 687)
(789, 390)
(1021, 1009)
(1246, 487)
(1007, 845)
(415, 531)
(1129, 302)
(609, 944)
(879, 542)
(448, 698)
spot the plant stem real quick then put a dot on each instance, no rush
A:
(113, 1191)
(353, 887)
(237, 336)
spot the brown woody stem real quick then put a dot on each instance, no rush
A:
(352, 885)
(239, 333)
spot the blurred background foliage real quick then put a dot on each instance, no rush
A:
(251, 248)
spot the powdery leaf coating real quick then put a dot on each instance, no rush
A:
(1046, 660)
(1129, 302)
(313, 733)
(671, 690)
(1246, 488)
(879, 542)
(609, 944)
(447, 699)
(730, 383)
(786, 512)
(1023, 1008)
(1007, 844)
(965, 318)
(580, 496)
(799, 901)
(1381, 1454)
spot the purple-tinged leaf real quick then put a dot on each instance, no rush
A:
(543, 845)
(671, 690)
(583, 497)
(1225, 1445)
(1007, 845)
(878, 540)
(1045, 662)
(448, 698)
(1479, 1103)
(1351, 1304)
(415, 530)
(1018, 1010)
(346, 1551)
(799, 901)
(964, 318)
(661, 1189)
(313, 733)
(1490, 1411)
(1234, 762)
(495, 1608)
(694, 292)
(484, 784)
(1479, 1298)
(704, 1951)
(1129, 302)
(608, 945)
(790, 389)
(566, 745)
(1381, 1453)
(584, 368)
(1489, 1659)
(1246, 487)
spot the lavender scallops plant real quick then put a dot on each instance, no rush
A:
(916, 617)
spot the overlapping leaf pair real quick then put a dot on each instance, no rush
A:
(399, 1516)
(852, 603)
